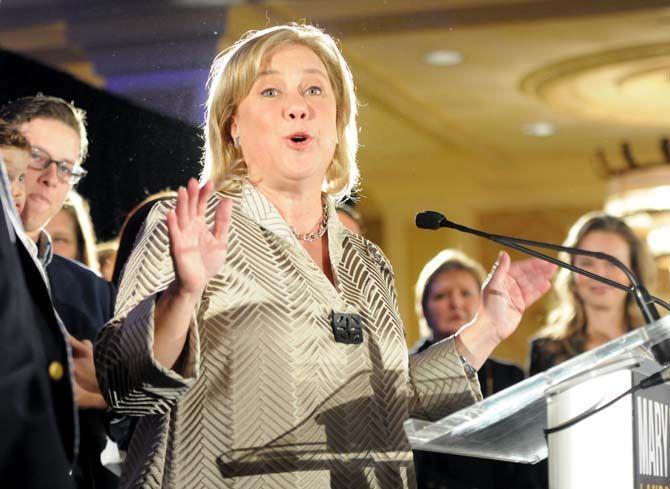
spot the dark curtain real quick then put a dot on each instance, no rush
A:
(133, 151)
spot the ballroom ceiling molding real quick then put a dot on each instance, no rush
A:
(375, 17)
(629, 85)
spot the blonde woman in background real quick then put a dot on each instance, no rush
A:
(447, 295)
(72, 233)
(589, 313)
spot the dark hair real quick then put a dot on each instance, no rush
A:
(131, 228)
(350, 211)
(11, 137)
(26, 109)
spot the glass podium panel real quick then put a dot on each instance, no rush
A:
(510, 424)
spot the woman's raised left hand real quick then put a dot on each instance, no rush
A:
(198, 252)
(509, 290)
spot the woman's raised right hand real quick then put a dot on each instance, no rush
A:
(198, 253)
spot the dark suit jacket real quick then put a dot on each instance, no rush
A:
(38, 423)
(85, 302)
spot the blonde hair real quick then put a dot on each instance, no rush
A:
(444, 261)
(568, 318)
(78, 209)
(233, 73)
(106, 251)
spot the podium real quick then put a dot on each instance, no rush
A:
(625, 445)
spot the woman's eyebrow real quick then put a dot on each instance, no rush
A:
(313, 71)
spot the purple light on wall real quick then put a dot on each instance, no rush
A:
(153, 80)
(178, 93)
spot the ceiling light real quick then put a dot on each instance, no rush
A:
(658, 240)
(633, 201)
(640, 194)
(539, 129)
(642, 221)
(443, 57)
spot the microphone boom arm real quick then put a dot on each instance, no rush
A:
(645, 301)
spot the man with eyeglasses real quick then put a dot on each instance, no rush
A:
(56, 132)
(66, 170)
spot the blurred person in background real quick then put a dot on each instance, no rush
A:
(448, 294)
(588, 313)
(72, 233)
(350, 217)
(107, 257)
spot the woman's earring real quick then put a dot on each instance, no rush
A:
(236, 142)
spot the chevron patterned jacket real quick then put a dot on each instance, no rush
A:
(263, 396)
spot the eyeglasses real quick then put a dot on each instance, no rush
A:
(67, 171)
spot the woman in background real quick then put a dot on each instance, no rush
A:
(131, 228)
(107, 257)
(72, 234)
(447, 296)
(589, 313)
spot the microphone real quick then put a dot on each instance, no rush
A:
(430, 220)
(659, 377)
(645, 301)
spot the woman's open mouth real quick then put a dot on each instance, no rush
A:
(299, 140)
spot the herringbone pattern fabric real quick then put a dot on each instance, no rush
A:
(264, 397)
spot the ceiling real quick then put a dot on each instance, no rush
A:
(451, 138)
(599, 72)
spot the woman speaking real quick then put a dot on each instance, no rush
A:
(260, 340)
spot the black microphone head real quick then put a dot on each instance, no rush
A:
(429, 220)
